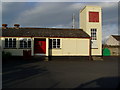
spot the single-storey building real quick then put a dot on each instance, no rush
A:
(113, 44)
(86, 41)
(46, 41)
(113, 40)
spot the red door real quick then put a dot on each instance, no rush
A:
(39, 46)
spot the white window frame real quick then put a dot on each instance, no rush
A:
(12, 43)
(94, 38)
(93, 34)
(23, 43)
(55, 44)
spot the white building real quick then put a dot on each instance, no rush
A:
(55, 41)
(91, 23)
(113, 40)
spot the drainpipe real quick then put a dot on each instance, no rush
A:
(90, 57)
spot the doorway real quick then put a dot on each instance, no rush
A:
(39, 46)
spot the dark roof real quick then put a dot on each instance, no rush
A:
(44, 32)
(117, 37)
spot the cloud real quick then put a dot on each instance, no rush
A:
(109, 29)
(50, 13)
(46, 14)
(57, 14)
(11, 10)
(17, 0)
(0, 14)
(60, 1)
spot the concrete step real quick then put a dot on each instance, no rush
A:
(41, 58)
(97, 58)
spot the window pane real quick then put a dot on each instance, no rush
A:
(21, 41)
(58, 46)
(29, 44)
(54, 46)
(54, 40)
(58, 41)
(14, 43)
(10, 46)
(10, 39)
(93, 34)
(24, 39)
(29, 39)
(6, 40)
(10, 43)
(6, 43)
(21, 45)
(14, 46)
(14, 39)
(54, 43)
(25, 44)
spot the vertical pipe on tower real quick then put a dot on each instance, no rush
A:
(73, 21)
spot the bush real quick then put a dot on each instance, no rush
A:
(6, 54)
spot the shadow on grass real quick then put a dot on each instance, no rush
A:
(105, 82)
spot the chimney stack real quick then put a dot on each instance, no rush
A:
(4, 26)
(16, 26)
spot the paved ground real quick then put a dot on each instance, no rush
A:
(65, 73)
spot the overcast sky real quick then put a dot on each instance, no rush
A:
(57, 14)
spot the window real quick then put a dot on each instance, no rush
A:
(93, 34)
(93, 16)
(54, 43)
(94, 38)
(10, 42)
(25, 43)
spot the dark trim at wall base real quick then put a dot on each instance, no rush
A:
(96, 56)
(94, 48)
(68, 58)
(45, 58)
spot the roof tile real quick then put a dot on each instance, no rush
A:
(44, 32)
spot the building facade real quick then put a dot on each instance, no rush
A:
(57, 41)
(91, 23)
(113, 40)
(113, 44)
(46, 41)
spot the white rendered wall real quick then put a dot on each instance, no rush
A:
(69, 47)
(87, 26)
(72, 47)
(112, 41)
(16, 51)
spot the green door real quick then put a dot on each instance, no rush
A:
(106, 52)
